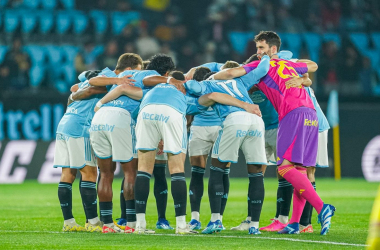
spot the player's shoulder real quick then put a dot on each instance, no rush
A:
(252, 64)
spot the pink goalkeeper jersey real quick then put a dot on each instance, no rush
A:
(273, 86)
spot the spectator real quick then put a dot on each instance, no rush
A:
(109, 57)
(366, 77)
(14, 70)
(328, 64)
(146, 45)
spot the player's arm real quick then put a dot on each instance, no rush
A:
(133, 92)
(151, 81)
(189, 75)
(105, 81)
(295, 82)
(85, 93)
(74, 88)
(311, 66)
(215, 97)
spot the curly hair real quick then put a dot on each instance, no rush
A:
(161, 63)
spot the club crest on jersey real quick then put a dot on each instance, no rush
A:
(71, 110)
(117, 102)
(155, 117)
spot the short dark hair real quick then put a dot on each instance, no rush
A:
(270, 37)
(230, 65)
(127, 60)
(251, 59)
(178, 75)
(145, 64)
(200, 72)
(161, 63)
(209, 74)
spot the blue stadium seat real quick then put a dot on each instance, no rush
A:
(68, 4)
(28, 22)
(61, 86)
(327, 37)
(69, 53)
(46, 21)
(121, 19)
(3, 3)
(31, 4)
(3, 52)
(98, 50)
(376, 40)
(80, 23)
(11, 21)
(100, 20)
(360, 41)
(292, 43)
(69, 74)
(37, 75)
(374, 56)
(54, 55)
(313, 44)
(49, 4)
(239, 40)
(63, 22)
(36, 53)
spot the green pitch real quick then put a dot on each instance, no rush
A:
(31, 218)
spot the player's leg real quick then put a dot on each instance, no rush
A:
(122, 221)
(89, 197)
(161, 190)
(130, 172)
(196, 188)
(142, 186)
(256, 195)
(226, 186)
(305, 221)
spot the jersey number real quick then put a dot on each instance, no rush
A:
(235, 91)
(280, 70)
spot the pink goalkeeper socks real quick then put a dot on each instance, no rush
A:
(298, 202)
(302, 185)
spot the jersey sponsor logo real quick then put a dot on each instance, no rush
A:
(243, 133)
(313, 123)
(117, 102)
(155, 117)
(102, 127)
(71, 110)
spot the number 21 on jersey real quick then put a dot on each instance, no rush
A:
(234, 92)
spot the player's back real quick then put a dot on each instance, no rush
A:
(77, 119)
(269, 114)
(284, 99)
(124, 101)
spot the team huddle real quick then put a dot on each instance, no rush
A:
(146, 116)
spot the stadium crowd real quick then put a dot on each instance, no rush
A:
(192, 33)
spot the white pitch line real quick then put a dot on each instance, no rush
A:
(217, 236)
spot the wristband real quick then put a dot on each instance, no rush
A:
(99, 104)
(168, 80)
(71, 97)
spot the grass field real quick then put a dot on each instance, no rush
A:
(31, 218)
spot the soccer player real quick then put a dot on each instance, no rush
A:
(73, 151)
(112, 138)
(204, 131)
(297, 138)
(162, 118)
(240, 131)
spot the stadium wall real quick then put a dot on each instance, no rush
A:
(27, 133)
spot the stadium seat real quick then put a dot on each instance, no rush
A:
(69, 53)
(100, 20)
(98, 50)
(121, 19)
(11, 21)
(313, 44)
(49, 4)
(61, 86)
(36, 54)
(63, 22)
(374, 56)
(68, 4)
(69, 74)
(46, 21)
(360, 41)
(54, 54)
(3, 52)
(37, 75)
(327, 37)
(31, 4)
(28, 22)
(3, 3)
(292, 42)
(239, 40)
(376, 40)
(80, 23)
